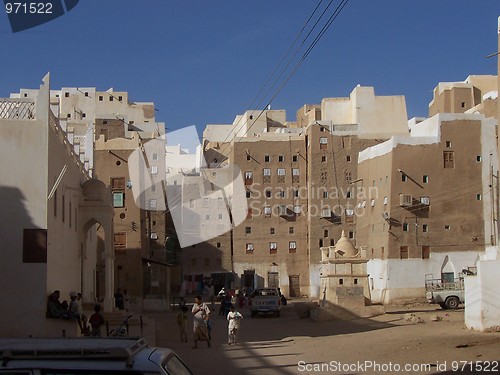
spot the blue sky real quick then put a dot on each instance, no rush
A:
(204, 61)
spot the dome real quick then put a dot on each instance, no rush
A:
(345, 248)
(94, 190)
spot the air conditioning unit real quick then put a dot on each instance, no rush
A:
(405, 200)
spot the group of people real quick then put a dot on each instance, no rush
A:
(74, 310)
(202, 325)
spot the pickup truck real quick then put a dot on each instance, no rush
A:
(448, 294)
(265, 300)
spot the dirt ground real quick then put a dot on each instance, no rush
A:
(394, 342)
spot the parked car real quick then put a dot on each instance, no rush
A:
(87, 356)
(447, 294)
(265, 300)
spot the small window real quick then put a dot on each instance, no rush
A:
(207, 217)
(448, 144)
(341, 281)
(403, 177)
(447, 227)
(373, 203)
(272, 231)
(268, 193)
(266, 171)
(249, 157)
(281, 171)
(405, 227)
(323, 159)
(110, 98)
(351, 234)
(479, 158)
(479, 197)
(323, 143)
(68, 115)
(425, 228)
(86, 93)
(348, 158)
(348, 176)
(325, 233)
(385, 200)
(355, 281)
(104, 122)
(290, 230)
(248, 230)
(292, 247)
(248, 194)
(348, 194)
(155, 156)
(84, 115)
(325, 194)
(295, 171)
(425, 179)
(273, 247)
(295, 158)
(100, 98)
(449, 159)
(249, 248)
(120, 98)
(463, 104)
(66, 94)
(218, 245)
(267, 158)
(154, 169)
(295, 193)
(267, 211)
(281, 158)
(320, 242)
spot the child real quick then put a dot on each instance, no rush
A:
(96, 320)
(85, 326)
(182, 323)
(234, 318)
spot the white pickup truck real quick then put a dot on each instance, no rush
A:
(448, 294)
(265, 300)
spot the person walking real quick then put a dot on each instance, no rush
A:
(182, 323)
(234, 318)
(201, 314)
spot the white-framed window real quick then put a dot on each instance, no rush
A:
(154, 169)
(425, 228)
(267, 211)
(349, 212)
(326, 212)
(406, 227)
(281, 158)
(281, 171)
(273, 245)
(266, 171)
(323, 140)
(248, 175)
(295, 171)
(249, 248)
(292, 245)
(296, 209)
(385, 200)
(425, 201)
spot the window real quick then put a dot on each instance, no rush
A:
(403, 252)
(478, 158)
(266, 171)
(290, 230)
(385, 200)
(281, 194)
(249, 248)
(296, 210)
(325, 233)
(351, 234)
(463, 104)
(268, 193)
(348, 158)
(323, 143)
(448, 144)
(325, 212)
(403, 177)
(118, 200)
(332, 242)
(426, 252)
(271, 231)
(295, 193)
(66, 94)
(325, 194)
(267, 211)
(273, 247)
(447, 227)
(295, 171)
(111, 98)
(281, 171)
(154, 169)
(267, 158)
(348, 194)
(248, 158)
(295, 158)
(120, 241)
(425, 179)
(218, 245)
(282, 211)
(207, 217)
(100, 98)
(479, 197)
(406, 227)
(320, 242)
(425, 228)
(155, 156)
(248, 193)
(248, 177)
(152, 204)
(323, 159)
(373, 203)
(281, 158)
(348, 176)
(449, 159)
(248, 230)
(292, 247)
(425, 201)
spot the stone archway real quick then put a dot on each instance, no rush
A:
(96, 207)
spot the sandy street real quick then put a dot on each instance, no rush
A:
(390, 343)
